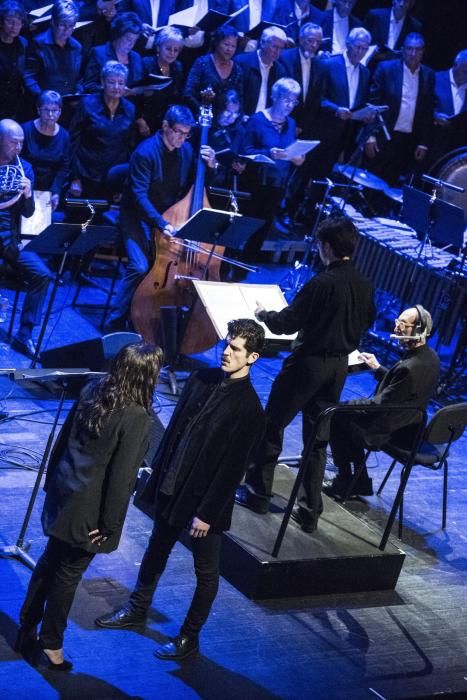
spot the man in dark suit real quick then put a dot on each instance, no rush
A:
(200, 461)
(389, 27)
(407, 88)
(411, 381)
(301, 64)
(450, 100)
(342, 85)
(261, 70)
(336, 24)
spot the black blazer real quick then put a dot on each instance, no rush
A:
(377, 23)
(89, 482)
(334, 90)
(386, 89)
(443, 94)
(326, 21)
(305, 113)
(410, 381)
(249, 64)
(215, 458)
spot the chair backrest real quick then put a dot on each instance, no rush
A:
(114, 342)
(447, 424)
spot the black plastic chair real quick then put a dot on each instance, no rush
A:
(446, 426)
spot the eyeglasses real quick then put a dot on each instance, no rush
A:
(181, 133)
(50, 110)
(402, 323)
(289, 100)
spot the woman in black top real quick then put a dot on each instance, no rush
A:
(101, 134)
(215, 72)
(12, 59)
(167, 48)
(90, 478)
(47, 147)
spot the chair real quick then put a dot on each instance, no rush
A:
(9, 280)
(112, 343)
(446, 426)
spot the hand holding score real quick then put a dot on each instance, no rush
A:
(369, 359)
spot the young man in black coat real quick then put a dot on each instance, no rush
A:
(200, 461)
(412, 381)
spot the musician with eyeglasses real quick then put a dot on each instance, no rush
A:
(161, 172)
(411, 381)
(16, 200)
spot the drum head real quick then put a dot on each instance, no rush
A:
(453, 169)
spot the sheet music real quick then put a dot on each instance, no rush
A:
(224, 301)
(300, 148)
(42, 216)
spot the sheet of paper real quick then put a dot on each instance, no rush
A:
(40, 10)
(300, 148)
(42, 216)
(259, 158)
(225, 301)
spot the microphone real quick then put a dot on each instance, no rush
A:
(442, 183)
(417, 337)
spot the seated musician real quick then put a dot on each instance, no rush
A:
(162, 170)
(412, 381)
(15, 201)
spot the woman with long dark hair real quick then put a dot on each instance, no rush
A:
(90, 478)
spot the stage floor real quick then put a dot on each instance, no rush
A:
(406, 643)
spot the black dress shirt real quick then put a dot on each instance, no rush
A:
(331, 311)
(98, 141)
(12, 64)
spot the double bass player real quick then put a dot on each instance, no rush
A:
(161, 171)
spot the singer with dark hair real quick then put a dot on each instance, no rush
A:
(199, 463)
(331, 312)
(90, 478)
(411, 381)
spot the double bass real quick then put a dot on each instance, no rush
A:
(177, 264)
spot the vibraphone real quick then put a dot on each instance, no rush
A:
(388, 255)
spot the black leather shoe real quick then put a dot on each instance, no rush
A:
(25, 347)
(244, 497)
(339, 487)
(120, 618)
(307, 521)
(181, 648)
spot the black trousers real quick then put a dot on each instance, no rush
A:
(347, 441)
(52, 590)
(206, 555)
(309, 385)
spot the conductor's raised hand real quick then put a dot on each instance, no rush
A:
(199, 528)
(259, 308)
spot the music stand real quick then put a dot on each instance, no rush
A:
(64, 380)
(66, 240)
(216, 227)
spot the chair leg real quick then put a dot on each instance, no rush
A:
(108, 302)
(401, 511)
(445, 493)
(386, 477)
(13, 314)
(355, 478)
